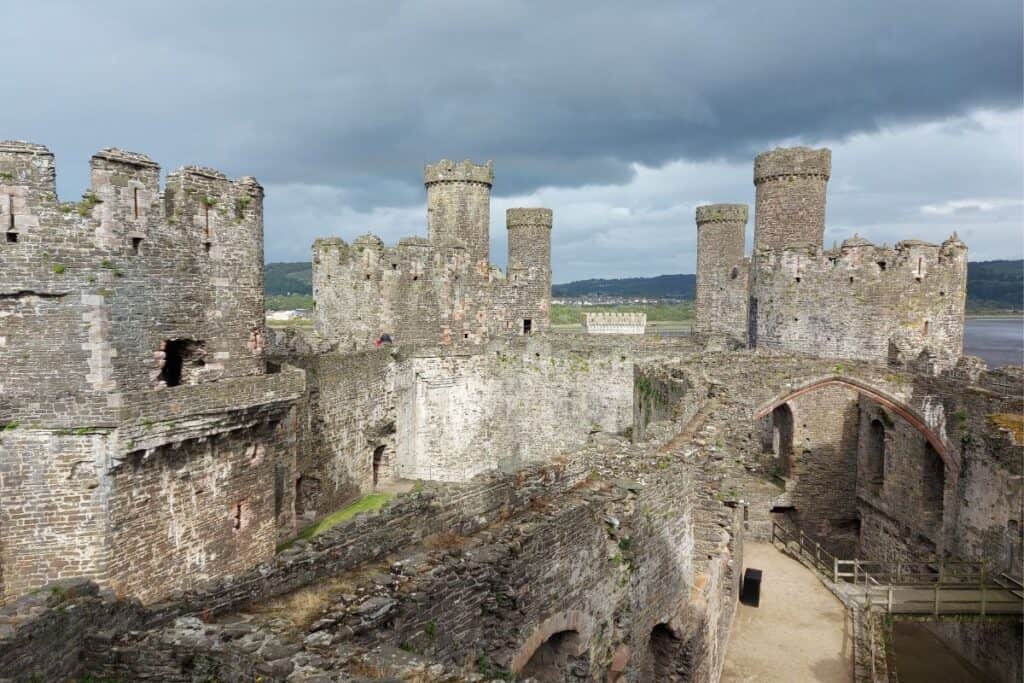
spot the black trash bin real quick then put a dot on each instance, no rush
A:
(750, 594)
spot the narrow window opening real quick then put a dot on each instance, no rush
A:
(12, 237)
(926, 327)
(875, 457)
(183, 359)
(465, 335)
(242, 516)
(367, 276)
(207, 246)
(734, 274)
(934, 483)
(379, 464)
(881, 265)
(136, 243)
(851, 279)
(394, 266)
(527, 326)
(798, 278)
(135, 202)
(415, 277)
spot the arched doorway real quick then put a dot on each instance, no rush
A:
(782, 438)
(379, 462)
(669, 659)
(557, 659)
(874, 451)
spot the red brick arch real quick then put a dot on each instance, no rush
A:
(915, 419)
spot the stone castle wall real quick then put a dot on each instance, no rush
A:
(862, 301)
(133, 332)
(440, 290)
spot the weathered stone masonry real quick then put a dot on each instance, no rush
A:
(139, 421)
(440, 290)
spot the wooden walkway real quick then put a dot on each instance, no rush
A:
(935, 588)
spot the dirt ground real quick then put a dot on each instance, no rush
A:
(800, 631)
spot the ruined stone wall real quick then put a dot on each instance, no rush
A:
(137, 271)
(790, 197)
(822, 479)
(509, 406)
(365, 290)
(90, 295)
(865, 302)
(53, 510)
(185, 513)
(351, 412)
(121, 505)
(720, 305)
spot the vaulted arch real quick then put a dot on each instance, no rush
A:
(570, 629)
(913, 418)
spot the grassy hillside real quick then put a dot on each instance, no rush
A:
(289, 278)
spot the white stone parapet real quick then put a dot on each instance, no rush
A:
(615, 323)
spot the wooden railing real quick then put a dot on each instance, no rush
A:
(924, 587)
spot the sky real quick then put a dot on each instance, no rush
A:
(621, 117)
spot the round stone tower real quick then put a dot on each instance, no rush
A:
(721, 301)
(459, 207)
(529, 267)
(790, 202)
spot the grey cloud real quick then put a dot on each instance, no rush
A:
(358, 95)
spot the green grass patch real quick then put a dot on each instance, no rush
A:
(368, 503)
(289, 302)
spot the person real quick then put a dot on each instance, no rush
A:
(383, 339)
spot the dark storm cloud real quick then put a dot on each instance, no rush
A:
(622, 116)
(564, 93)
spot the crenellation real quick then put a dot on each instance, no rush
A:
(440, 289)
(111, 306)
(575, 505)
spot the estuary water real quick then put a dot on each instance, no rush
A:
(999, 341)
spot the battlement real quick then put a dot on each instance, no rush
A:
(458, 171)
(860, 300)
(615, 323)
(783, 162)
(23, 147)
(120, 156)
(855, 252)
(721, 213)
(515, 218)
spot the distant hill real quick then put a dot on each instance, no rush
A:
(662, 286)
(288, 278)
(995, 285)
(991, 285)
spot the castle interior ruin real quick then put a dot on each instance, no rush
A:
(570, 506)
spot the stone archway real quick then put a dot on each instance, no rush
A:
(913, 417)
(556, 645)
